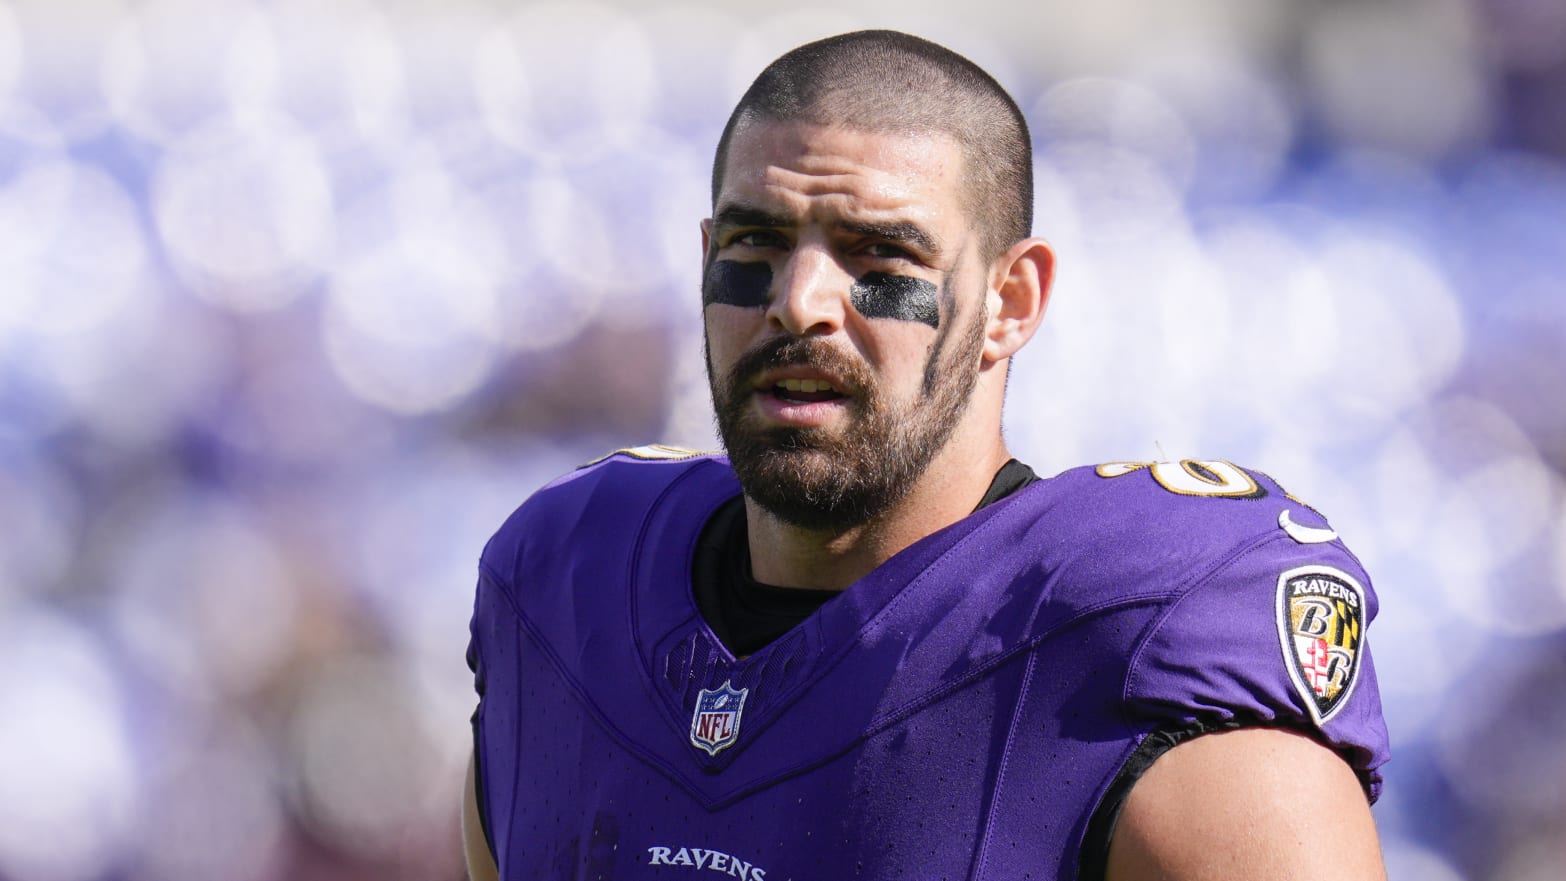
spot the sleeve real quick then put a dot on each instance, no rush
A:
(1277, 635)
(485, 650)
(1272, 634)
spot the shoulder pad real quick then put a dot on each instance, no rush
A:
(652, 453)
(1168, 523)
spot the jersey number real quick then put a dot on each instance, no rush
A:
(1193, 477)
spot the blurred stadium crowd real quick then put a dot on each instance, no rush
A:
(299, 299)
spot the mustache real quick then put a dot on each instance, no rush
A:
(780, 352)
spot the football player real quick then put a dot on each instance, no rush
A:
(868, 642)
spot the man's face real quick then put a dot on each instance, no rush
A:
(844, 307)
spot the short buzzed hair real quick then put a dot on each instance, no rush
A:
(890, 81)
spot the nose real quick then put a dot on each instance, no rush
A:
(810, 294)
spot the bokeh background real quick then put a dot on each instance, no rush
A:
(299, 299)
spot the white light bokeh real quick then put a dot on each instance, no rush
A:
(431, 83)
(1287, 338)
(1057, 220)
(565, 82)
(1240, 123)
(1405, 486)
(66, 767)
(678, 202)
(173, 63)
(1406, 861)
(1069, 37)
(1406, 336)
(693, 43)
(137, 379)
(363, 772)
(622, 234)
(29, 138)
(689, 422)
(762, 39)
(1503, 506)
(1515, 769)
(244, 206)
(416, 572)
(1493, 515)
(71, 248)
(213, 812)
(1121, 196)
(252, 69)
(291, 411)
(407, 552)
(53, 56)
(574, 242)
(1558, 542)
(1096, 114)
(374, 81)
(11, 49)
(1420, 686)
(202, 596)
(334, 65)
(409, 326)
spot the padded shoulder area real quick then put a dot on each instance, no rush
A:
(1137, 528)
(598, 497)
(1263, 608)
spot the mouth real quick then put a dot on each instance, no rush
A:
(802, 391)
(801, 398)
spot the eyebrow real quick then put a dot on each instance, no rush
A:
(898, 232)
(745, 215)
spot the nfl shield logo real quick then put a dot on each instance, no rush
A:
(715, 724)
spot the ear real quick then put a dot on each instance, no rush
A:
(1019, 290)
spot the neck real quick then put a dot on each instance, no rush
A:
(788, 556)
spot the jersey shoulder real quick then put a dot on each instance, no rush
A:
(600, 499)
(1263, 609)
(1164, 526)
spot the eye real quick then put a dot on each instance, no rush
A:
(760, 238)
(885, 251)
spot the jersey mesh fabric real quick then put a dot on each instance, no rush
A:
(961, 712)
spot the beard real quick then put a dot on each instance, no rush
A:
(824, 480)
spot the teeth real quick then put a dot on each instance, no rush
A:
(806, 385)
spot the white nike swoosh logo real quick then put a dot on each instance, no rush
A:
(1305, 535)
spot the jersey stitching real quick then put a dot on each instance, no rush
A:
(516, 774)
(926, 698)
(1133, 668)
(1000, 772)
(582, 697)
(643, 651)
(881, 723)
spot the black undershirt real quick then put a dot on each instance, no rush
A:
(746, 615)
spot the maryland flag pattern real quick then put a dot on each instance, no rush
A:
(1321, 623)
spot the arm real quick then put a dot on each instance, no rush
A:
(481, 863)
(1253, 804)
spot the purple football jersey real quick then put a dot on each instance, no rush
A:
(960, 712)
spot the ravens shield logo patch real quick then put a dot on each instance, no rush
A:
(1321, 622)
